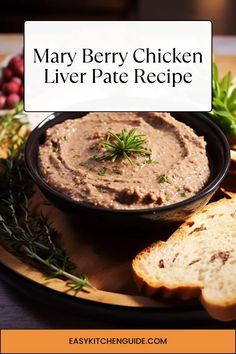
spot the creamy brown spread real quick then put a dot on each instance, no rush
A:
(177, 169)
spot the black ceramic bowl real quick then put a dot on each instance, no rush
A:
(217, 150)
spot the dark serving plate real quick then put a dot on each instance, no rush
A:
(217, 150)
(184, 317)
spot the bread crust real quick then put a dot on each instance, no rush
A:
(223, 312)
(228, 187)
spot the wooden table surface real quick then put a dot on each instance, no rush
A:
(20, 311)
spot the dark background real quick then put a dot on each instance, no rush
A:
(221, 12)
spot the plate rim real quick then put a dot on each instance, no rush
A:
(117, 313)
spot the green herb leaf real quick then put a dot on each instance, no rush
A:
(215, 73)
(218, 103)
(232, 99)
(123, 145)
(84, 164)
(167, 197)
(164, 179)
(102, 171)
(225, 85)
(29, 236)
(232, 107)
(149, 161)
(224, 102)
(181, 192)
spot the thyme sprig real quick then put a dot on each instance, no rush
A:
(123, 145)
(28, 235)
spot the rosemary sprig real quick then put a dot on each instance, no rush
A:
(123, 145)
(28, 235)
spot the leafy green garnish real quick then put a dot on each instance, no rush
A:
(102, 171)
(123, 145)
(26, 234)
(167, 197)
(224, 102)
(181, 192)
(84, 164)
(150, 160)
(164, 179)
(19, 108)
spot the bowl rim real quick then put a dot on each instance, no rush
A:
(210, 187)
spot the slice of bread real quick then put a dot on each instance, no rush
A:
(197, 261)
(228, 186)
